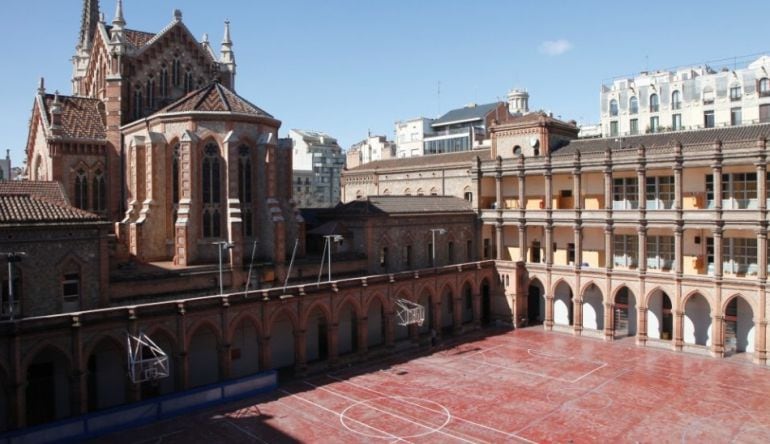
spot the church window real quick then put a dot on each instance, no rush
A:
(163, 85)
(99, 201)
(211, 191)
(244, 189)
(138, 103)
(188, 82)
(176, 72)
(81, 189)
(150, 92)
(175, 182)
(70, 287)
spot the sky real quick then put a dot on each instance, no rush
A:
(353, 67)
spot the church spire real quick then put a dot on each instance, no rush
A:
(88, 22)
(118, 21)
(227, 58)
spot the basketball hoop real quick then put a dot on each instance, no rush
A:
(409, 312)
(146, 361)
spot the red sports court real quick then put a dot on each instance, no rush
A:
(515, 386)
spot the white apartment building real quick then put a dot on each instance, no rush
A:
(370, 149)
(410, 135)
(317, 162)
(6, 173)
(687, 99)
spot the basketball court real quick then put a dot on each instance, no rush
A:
(513, 386)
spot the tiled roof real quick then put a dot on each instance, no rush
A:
(459, 158)
(38, 202)
(404, 205)
(467, 113)
(214, 98)
(82, 118)
(686, 138)
(137, 38)
(51, 191)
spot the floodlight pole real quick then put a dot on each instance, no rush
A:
(12, 256)
(222, 245)
(433, 232)
(329, 239)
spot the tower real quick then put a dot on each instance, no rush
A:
(88, 23)
(227, 58)
(518, 102)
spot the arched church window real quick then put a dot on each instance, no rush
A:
(211, 191)
(163, 82)
(81, 189)
(188, 82)
(176, 72)
(99, 191)
(150, 92)
(138, 102)
(244, 189)
(175, 182)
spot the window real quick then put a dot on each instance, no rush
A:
(163, 82)
(676, 122)
(764, 87)
(150, 92)
(735, 116)
(384, 257)
(81, 189)
(535, 253)
(613, 128)
(654, 124)
(625, 250)
(676, 100)
(708, 95)
(188, 82)
(212, 219)
(739, 191)
(735, 93)
(99, 189)
(487, 248)
(516, 150)
(175, 182)
(660, 252)
(764, 113)
(654, 105)
(138, 103)
(408, 256)
(739, 256)
(613, 107)
(244, 190)
(633, 105)
(708, 119)
(468, 196)
(450, 252)
(176, 72)
(71, 287)
(660, 193)
(570, 253)
(633, 126)
(625, 193)
(709, 191)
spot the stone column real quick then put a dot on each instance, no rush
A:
(577, 314)
(678, 188)
(678, 329)
(641, 325)
(499, 190)
(522, 193)
(717, 329)
(549, 244)
(577, 185)
(642, 249)
(183, 368)
(609, 321)
(522, 241)
(578, 236)
(362, 329)
(548, 190)
(717, 171)
(499, 239)
(548, 323)
(265, 353)
(641, 179)
(79, 387)
(678, 249)
(718, 252)
(300, 351)
(761, 166)
(609, 247)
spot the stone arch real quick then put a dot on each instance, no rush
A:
(466, 301)
(167, 341)
(387, 304)
(244, 334)
(563, 296)
(660, 320)
(536, 301)
(319, 304)
(747, 300)
(485, 294)
(377, 309)
(695, 292)
(317, 332)
(290, 314)
(739, 332)
(593, 306)
(47, 372)
(352, 300)
(106, 378)
(203, 343)
(624, 314)
(697, 319)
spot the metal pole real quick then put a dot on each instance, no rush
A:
(323, 256)
(433, 246)
(293, 253)
(221, 291)
(251, 265)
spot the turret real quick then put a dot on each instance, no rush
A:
(117, 41)
(518, 102)
(56, 111)
(227, 58)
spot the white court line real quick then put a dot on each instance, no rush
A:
(513, 435)
(404, 418)
(388, 435)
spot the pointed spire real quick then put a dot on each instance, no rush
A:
(118, 21)
(177, 15)
(226, 51)
(88, 21)
(41, 87)
(226, 39)
(205, 38)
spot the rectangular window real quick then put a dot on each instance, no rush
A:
(660, 193)
(742, 190)
(613, 128)
(71, 287)
(708, 119)
(450, 252)
(487, 248)
(654, 124)
(384, 257)
(626, 250)
(633, 127)
(739, 256)
(535, 252)
(735, 93)
(660, 252)
(570, 253)
(709, 191)
(431, 259)
(764, 113)
(676, 122)
(408, 256)
(735, 116)
(710, 255)
(625, 193)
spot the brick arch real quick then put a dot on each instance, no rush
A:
(353, 301)
(92, 345)
(290, 314)
(616, 290)
(468, 281)
(692, 293)
(451, 288)
(727, 301)
(198, 325)
(403, 291)
(386, 302)
(562, 281)
(432, 296)
(243, 316)
(161, 331)
(42, 347)
(588, 285)
(322, 305)
(652, 292)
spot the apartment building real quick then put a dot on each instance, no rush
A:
(687, 99)
(319, 157)
(371, 149)
(410, 135)
(661, 237)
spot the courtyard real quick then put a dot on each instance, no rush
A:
(499, 386)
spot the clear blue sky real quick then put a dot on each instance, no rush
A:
(346, 67)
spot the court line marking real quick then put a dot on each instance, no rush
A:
(513, 435)
(246, 432)
(366, 402)
(392, 436)
(542, 375)
(404, 418)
